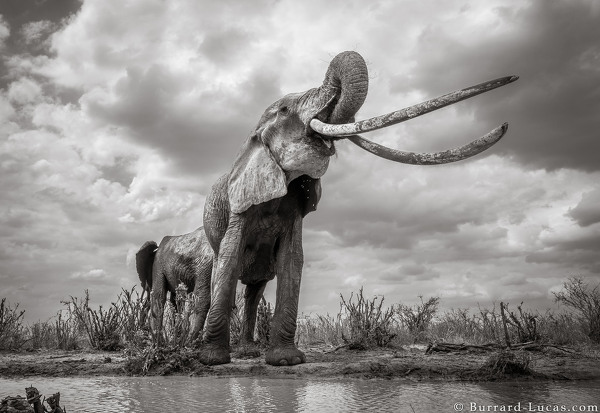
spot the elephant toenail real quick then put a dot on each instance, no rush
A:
(283, 362)
(296, 360)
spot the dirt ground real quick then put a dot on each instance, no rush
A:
(410, 363)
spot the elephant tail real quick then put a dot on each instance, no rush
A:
(144, 259)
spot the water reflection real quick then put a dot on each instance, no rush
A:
(245, 394)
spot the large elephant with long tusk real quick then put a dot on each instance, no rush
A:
(253, 214)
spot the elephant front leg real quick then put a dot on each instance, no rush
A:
(215, 346)
(282, 350)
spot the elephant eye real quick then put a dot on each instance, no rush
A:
(283, 110)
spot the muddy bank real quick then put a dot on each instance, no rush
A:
(407, 362)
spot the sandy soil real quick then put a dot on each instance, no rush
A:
(408, 362)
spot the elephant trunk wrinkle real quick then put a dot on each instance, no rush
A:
(347, 76)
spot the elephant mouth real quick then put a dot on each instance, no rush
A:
(325, 131)
(323, 142)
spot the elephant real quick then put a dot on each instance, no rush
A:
(187, 259)
(253, 214)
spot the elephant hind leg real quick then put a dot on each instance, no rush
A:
(252, 296)
(158, 297)
(201, 298)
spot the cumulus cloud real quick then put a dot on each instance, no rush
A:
(95, 274)
(37, 31)
(556, 60)
(116, 117)
(7, 113)
(586, 212)
(24, 91)
(4, 31)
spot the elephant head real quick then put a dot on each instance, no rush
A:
(284, 146)
(253, 215)
(296, 135)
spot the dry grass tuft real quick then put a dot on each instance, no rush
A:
(361, 323)
(507, 363)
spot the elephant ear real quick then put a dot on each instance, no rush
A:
(255, 178)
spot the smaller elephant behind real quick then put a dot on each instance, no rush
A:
(186, 259)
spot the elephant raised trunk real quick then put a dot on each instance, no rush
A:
(347, 79)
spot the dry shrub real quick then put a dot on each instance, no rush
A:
(177, 319)
(562, 329)
(124, 322)
(162, 360)
(135, 309)
(520, 326)
(319, 329)
(418, 319)
(460, 326)
(42, 335)
(585, 300)
(66, 331)
(165, 356)
(263, 322)
(12, 331)
(485, 326)
(101, 326)
(368, 325)
(61, 333)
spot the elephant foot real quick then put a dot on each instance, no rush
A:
(211, 354)
(248, 349)
(284, 356)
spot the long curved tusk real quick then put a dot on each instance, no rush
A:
(410, 112)
(451, 155)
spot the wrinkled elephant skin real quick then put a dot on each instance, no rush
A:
(253, 214)
(178, 259)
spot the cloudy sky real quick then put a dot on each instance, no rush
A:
(116, 116)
